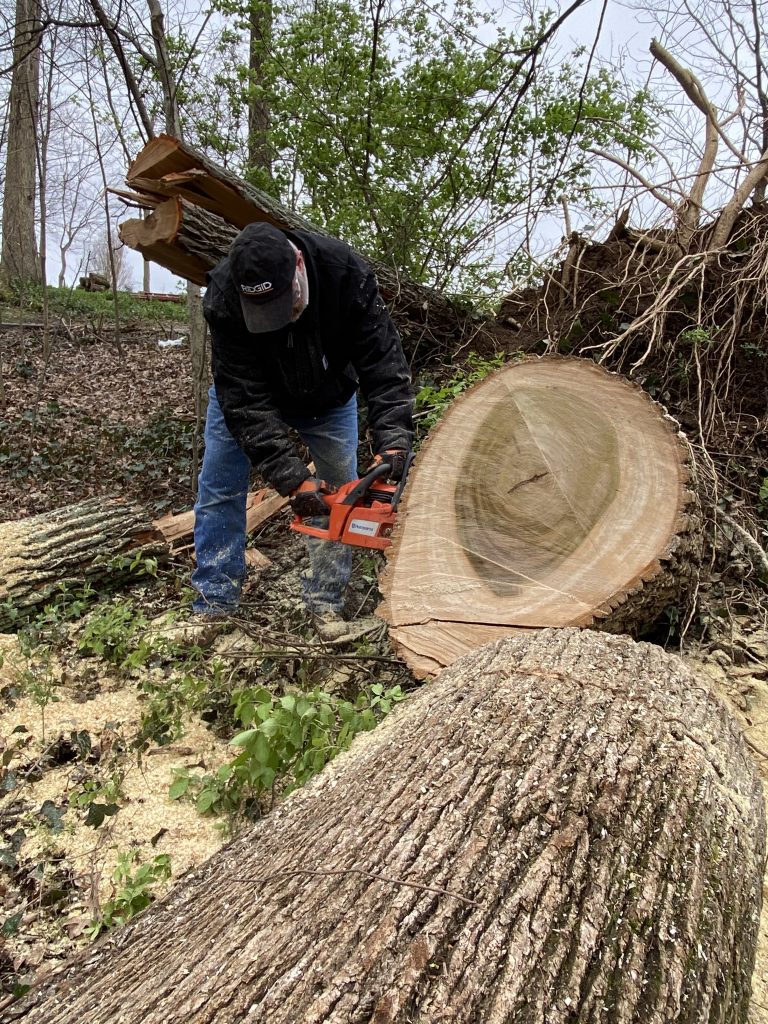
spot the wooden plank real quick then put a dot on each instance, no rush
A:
(260, 506)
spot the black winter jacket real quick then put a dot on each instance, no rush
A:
(344, 336)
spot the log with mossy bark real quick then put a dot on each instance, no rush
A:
(193, 205)
(553, 493)
(564, 827)
(96, 543)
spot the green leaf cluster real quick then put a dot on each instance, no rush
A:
(133, 890)
(286, 740)
(99, 798)
(433, 399)
(762, 497)
(401, 131)
(111, 630)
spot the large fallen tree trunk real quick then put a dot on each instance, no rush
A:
(553, 493)
(195, 204)
(564, 827)
(94, 542)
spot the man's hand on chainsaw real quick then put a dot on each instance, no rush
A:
(307, 499)
(396, 457)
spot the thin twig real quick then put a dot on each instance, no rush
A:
(365, 874)
(748, 539)
(306, 653)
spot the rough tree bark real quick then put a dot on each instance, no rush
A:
(553, 493)
(79, 543)
(20, 259)
(564, 827)
(69, 547)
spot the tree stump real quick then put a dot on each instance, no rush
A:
(565, 826)
(553, 493)
(67, 548)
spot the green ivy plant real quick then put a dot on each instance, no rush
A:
(432, 400)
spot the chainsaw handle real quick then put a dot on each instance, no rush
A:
(364, 483)
(399, 489)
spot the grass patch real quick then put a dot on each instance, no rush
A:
(27, 304)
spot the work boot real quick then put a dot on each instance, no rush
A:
(331, 626)
(192, 631)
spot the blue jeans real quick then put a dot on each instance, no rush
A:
(220, 510)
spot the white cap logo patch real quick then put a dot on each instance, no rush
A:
(256, 289)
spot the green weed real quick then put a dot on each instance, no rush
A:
(111, 630)
(133, 890)
(38, 682)
(100, 799)
(433, 400)
(174, 698)
(93, 305)
(762, 497)
(287, 739)
(698, 337)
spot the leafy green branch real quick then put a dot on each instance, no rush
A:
(286, 740)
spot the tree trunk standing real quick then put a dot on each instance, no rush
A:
(55, 551)
(564, 827)
(163, 68)
(260, 19)
(20, 259)
(197, 326)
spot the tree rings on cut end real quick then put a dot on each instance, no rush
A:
(547, 495)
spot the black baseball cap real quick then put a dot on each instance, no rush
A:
(263, 265)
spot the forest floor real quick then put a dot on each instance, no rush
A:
(108, 700)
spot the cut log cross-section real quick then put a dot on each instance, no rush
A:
(563, 828)
(553, 493)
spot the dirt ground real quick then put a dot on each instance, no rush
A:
(79, 735)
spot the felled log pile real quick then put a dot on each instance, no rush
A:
(94, 282)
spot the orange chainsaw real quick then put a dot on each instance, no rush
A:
(362, 512)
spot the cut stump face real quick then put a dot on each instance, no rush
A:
(546, 495)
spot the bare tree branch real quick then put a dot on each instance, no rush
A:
(125, 66)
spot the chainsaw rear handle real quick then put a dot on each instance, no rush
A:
(360, 490)
(379, 471)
